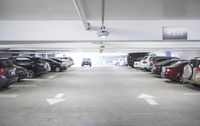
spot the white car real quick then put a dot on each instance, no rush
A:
(145, 62)
(123, 62)
(137, 64)
(68, 60)
(116, 61)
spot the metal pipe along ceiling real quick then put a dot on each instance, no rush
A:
(103, 11)
(81, 14)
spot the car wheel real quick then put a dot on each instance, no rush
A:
(17, 78)
(57, 69)
(31, 74)
(181, 80)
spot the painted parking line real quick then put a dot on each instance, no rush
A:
(191, 94)
(148, 98)
(50, 77)
(151, 101)
(15, 86)
(8, 95)
(57, 99)
(35, 79)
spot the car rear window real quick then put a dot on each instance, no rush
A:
(179, 63)
(195, 63)
(5, 63)
(162, 59)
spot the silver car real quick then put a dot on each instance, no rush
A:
(191, 73)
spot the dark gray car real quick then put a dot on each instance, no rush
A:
(7, 73)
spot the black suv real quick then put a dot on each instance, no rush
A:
(86, 61)
(35, 66)
(7, 73)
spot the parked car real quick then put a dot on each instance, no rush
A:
(137, 64)
(191, 72)
(123, 62)
(116, 61)
(41, 65)
(7, 73)
(132, 57)
(145, 63)
(174, 72)
(21, 73)
(157, 68)
(86, 61)
(158, 59)
(55, 66)
(69, 60)
(60, 61)
(35, 66)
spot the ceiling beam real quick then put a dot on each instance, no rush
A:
(81, 13)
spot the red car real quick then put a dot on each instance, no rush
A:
(175, 71)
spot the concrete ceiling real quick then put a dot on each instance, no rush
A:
(115, 9)
(123, 35)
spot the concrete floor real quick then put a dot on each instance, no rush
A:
(99, 97)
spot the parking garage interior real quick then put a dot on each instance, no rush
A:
(100, 86)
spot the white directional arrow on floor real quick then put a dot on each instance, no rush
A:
(148, 98)
(58, 98)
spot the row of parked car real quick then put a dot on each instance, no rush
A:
(14, 69)
(173, 68)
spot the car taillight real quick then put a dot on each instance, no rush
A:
(2, 71)
(144, 62)
(168, 70)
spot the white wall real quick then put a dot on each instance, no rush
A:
(124, 30)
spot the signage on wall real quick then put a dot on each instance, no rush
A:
(174, 33)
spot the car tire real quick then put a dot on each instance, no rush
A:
(17, 78)
(31, 74)
(57, 69)
(181, 80)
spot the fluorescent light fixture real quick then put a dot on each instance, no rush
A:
(103, 33)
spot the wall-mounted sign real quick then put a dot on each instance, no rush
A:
(174, 33)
